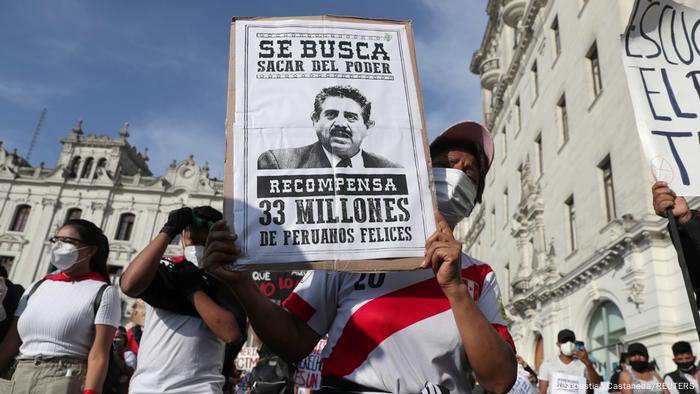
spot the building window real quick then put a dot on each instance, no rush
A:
(517, 113)
(608, 188)
(605, 330)
(556, 39)
(538, 156)
(87, 167)
(506, 285)
(505, 207)
(570, 225)
(594, 64)
(73, 169)
(101, 164)
(493, 224)
(114, 272)
(126, 224)
(6, 263)
(504, 144)
(563, 119)
(74, 213)
(535, 81)
(19, 220)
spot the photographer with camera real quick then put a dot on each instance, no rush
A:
(190, 315)
(572, 363)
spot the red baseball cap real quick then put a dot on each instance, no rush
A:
(469, 132)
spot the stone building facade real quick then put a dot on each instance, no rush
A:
(567, 220)
(97, 178)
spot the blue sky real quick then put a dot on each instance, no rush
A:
(162, 66)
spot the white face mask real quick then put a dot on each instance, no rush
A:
(194, 254)
(455, 194)
(64, 255)
(3, 294)
(567, 348)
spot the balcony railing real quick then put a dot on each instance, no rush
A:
(490, 72)
(512, 11)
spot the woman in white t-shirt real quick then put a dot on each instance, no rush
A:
(65, 322)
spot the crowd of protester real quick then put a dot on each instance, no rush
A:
(191, 315)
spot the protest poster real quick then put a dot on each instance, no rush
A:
(277, 285)
(567, 384)
(661, 55)
(522, 384)
(327, 160)
(308, 373)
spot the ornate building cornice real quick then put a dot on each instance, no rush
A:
(628, 236)
(525, 27)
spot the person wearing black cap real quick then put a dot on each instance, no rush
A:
(684, 380)
(570, 361)
(190, 315)
(641, 378)
(409, 332)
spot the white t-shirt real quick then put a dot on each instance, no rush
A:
(386, 328)
(177, 354)
(672, 387)
(59, 318)
(555, 365)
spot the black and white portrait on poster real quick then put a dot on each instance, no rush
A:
(326, 145)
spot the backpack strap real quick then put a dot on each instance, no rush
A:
(98, 298)
(36, 286)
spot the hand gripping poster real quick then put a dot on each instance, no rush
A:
(326, 163)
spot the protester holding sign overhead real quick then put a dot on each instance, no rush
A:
(190, 316)
(397, 331)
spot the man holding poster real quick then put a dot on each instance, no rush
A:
(398, 331)
(341, 119)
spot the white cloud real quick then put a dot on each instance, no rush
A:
(176, 136)
(444, 52)
(30, 94)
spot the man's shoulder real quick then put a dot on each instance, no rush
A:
(286, 157)
(373, 160)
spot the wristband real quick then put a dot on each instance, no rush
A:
(90, 391)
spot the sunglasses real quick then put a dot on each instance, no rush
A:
(68, 240)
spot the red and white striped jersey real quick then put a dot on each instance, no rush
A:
(394, 331)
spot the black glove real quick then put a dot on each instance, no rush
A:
(177, 221)
(184, 278)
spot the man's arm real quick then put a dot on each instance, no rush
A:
(143, 268)
(491, 357)
(591, 374)
(284, 333)
(688, 227)
(220, 321)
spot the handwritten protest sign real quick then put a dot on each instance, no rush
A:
(277, 285)
(308, 373)
(661, 53)
(326, 163)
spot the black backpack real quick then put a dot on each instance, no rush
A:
(271, 375)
